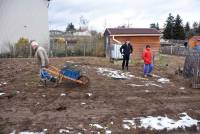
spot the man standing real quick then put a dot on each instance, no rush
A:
(126, 49)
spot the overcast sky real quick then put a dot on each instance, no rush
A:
(113, 13)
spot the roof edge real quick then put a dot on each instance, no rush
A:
(135, 34)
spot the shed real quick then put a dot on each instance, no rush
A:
(194, 41)
(138, 37)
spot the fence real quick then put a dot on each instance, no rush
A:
(91, 46)
(192, 62)
(192, 68)
(174, 50)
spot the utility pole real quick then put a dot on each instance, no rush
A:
(66, 48)
(84, 49)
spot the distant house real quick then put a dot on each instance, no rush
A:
(194, 41)
(139, 38)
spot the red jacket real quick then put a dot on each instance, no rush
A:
(147, 56)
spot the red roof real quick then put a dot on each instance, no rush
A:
(118, 31)
(196, 38)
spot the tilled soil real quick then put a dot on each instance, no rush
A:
(29, 106)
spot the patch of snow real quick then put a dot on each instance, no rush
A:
(147, 91)
(2, 94)
(83, 103)
(125, 126)
(163, 80)
(43, 95)
(13, 132)
(112, 122)
(63, 94)
(89, 94)
(147, 84)
(31, 132)
(132, 122)
(116, 74)
(69, 128)
(135, 85)
(156, 76)
(70, 61)
(140, 78)
(108, 132)
(63, 131)
(45, 130)
(152, 84)
(4, 83)
(160, 123)
(84, 129)
(18, 92)
(182, 88)
(96, 125)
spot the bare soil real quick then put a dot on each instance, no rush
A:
(26, 106)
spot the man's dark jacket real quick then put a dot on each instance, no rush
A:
(126, 49)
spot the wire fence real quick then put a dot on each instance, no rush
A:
(174, 50)
(191, 67)
(80, 47)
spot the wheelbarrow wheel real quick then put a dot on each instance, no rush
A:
(84, 79)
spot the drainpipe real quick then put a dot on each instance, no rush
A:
(116, 40)
(113, 38)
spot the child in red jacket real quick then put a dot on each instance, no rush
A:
(147, 57)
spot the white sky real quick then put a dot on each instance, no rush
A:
(113, 13)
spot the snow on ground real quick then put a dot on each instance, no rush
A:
(136, 85)
(26, 132)
(63, 131)
(182, 88)
(2, 94)
(43, 95)
(160, 123)
(152, 84)
(163, 80)
(147, 83)
(100, 127)
(126, 126)
(69, 61)
(156, 76)
(3, 83)
(117, 74)
(96, 126)
(108, 132)
(89, 94)
(62, 94)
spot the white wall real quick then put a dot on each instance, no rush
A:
(23, 18)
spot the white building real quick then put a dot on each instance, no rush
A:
(23, 18)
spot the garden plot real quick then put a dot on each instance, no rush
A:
(114, 102)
